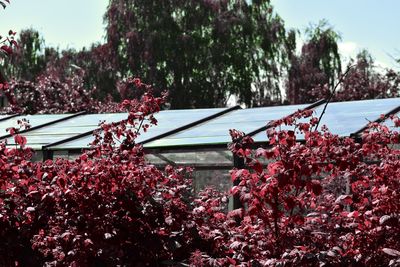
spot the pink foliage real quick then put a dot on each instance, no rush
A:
(327, 200)
(107, 207)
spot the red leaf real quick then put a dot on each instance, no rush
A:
(232, 261)
(257, 167)
(236, 213)
(11, 130)
(388, 220)
(7, 49)
(275, 167)
(344, 200)
(353, 214)
(13, 42)
(239, 173)
(316, 187)
(20, 140)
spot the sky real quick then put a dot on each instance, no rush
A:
(363, 24)
(370, 24)
(62, 23)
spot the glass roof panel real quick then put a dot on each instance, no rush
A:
(172, 119)
(346, 118)
(167, 120)
(66, 129)
(216, 131)
(36, 141)
(80, 124)
(79, 143)
(34, 120)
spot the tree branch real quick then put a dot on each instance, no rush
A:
(333, 93)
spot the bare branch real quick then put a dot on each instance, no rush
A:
(333, 93)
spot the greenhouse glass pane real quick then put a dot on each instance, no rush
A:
(216, 131)
(167, 120)
(80, 124)
(66, 129)
(38, 141)
(171, 119)
(204, 158)
(152, 159)
(219, 179)
(80, 143)
(34, 120)
(346, 118)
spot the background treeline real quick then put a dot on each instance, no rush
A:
(205, 53)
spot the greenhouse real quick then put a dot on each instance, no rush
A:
(195, 137)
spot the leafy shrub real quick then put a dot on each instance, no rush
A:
(326, 201)
(108, 207)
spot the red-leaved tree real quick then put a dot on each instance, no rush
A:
(364, 81)
(50, 95)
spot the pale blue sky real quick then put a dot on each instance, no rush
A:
(63, 23)
(371, 24)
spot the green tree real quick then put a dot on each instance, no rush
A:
(204, 51)
(28, 60)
